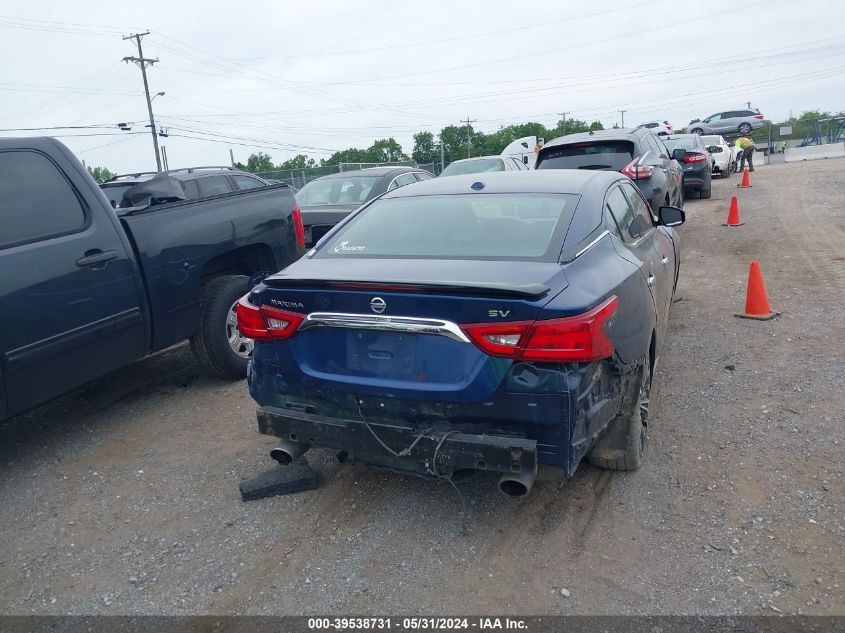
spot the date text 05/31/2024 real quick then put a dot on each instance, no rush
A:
(416, 624)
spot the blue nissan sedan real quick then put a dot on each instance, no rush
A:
(507, 322)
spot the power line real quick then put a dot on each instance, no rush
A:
(142, 63)
(459, 38)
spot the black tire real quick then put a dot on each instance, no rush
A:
(623, 447)
(210, 343)
(697, 130)
(726, 173)
(744, 129)
(707, 190)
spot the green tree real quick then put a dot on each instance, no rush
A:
(385, 150)
(258, 163)
(300, 161)
(458, 141)
(101, 174)
(425, 149)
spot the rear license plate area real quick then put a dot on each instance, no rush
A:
(383, 354)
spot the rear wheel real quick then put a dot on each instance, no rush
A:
(623, 447)
(726, 172)
(744, 128)
(217, 344)
(707, 190)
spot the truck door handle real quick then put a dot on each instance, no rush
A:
(664, 260)
(96, 257)
(651, 280)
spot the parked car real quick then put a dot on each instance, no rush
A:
(637, 153)
(197, 182)
(87, 288)
(483, 164)
(505, 323)
(720, 153)
(325, 201)
(660, 128)
(698, 168)
(729, 122)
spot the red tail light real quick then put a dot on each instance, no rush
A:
(694, 157)
(580, 338)
(637, 172)
(264, 323)
(759, 117)
(298, 226)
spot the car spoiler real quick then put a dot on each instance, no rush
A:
(531, 291)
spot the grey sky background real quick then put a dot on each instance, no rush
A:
(316, 77)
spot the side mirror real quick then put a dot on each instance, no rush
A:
(671, 216)
(679, 153)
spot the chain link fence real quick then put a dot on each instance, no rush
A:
(298, 178)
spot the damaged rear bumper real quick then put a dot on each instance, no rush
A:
(421, 451)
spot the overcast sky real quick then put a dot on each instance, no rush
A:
(315, 77)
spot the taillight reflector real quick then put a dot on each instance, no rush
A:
(298, 227)
(694, 157)
(637, 172)
(580, 338)
(759, 117)
(264, 323)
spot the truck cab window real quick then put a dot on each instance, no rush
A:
(36, 201)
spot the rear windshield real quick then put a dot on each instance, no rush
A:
(474, 167)
(683, 143)
(516, 226)
(650, 125)
(351, 190)
(588, 155)
(115, 193)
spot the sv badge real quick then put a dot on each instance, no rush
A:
(493, 314)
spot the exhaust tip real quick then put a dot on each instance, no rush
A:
(281, 456)
(516, 485)
(513, 488)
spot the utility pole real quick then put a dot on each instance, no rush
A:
(164, 157)
(748, 104)
(442, 156)
(232, 157)
(142, 63)
(623, 117)
(469, 140)
(563, 122)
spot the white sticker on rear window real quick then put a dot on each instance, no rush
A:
(346, 247)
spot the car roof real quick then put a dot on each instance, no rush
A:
(612, 134)
(372, 171)
(466, 160)
(569, 181)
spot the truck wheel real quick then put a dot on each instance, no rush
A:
(217, 344)
(623, 446)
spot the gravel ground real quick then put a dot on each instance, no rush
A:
(122, 497)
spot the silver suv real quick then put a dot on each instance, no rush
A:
(729, 122)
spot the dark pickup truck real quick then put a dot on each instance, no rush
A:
(85, 288)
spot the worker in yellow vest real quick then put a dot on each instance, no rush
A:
(747, 146)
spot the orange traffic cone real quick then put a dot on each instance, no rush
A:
(746, 181)
(733, 214)
(756, 302)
